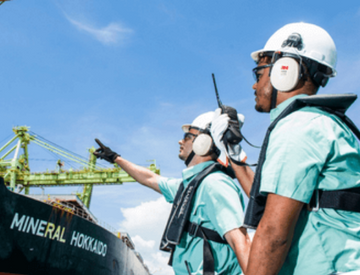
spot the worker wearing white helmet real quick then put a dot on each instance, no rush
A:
(203, 231)
(297, 56)
(304, 194)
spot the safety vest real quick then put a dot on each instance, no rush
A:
(348, 199)
(178, 221)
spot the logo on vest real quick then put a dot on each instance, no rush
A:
(186, 199)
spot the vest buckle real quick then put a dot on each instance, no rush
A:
(194, 228)
(314, 205)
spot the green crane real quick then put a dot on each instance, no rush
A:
(16, 170)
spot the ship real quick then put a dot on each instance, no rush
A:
(57, 234)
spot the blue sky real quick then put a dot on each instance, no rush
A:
(132, 72)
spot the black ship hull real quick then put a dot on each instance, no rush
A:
(40, 239)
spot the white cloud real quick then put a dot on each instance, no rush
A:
(153, 258)
(112, 34)
(142, 243)
(145, 224)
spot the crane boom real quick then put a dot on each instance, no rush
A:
(16, 171)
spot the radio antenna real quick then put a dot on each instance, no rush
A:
(217, 93)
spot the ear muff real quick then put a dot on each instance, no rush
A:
(202, 144)
(285, 74)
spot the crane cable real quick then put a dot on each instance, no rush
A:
(53, 147)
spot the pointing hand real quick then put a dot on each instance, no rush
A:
(105, 152)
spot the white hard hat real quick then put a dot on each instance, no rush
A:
(199, 123)
(316, 44)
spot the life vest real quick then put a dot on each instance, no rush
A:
(178, 221)
(348, 199)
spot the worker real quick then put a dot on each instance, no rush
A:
(304, 198)
(203, 231)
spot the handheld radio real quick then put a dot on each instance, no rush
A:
(232, 135)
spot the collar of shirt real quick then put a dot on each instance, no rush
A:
(189, 173)
(274, 113)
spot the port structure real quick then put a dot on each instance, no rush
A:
(17, 175)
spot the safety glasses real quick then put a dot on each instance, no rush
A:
(188, 136)
(256, 75)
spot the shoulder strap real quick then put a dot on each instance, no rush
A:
(257, 201)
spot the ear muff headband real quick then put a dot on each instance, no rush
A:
(285, 74)
(319, 74)
(320, 79)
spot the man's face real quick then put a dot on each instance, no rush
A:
(263, 88)
(187, 143)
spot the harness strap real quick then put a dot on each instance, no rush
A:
(196, 230)
(346, 199)
(208, 258)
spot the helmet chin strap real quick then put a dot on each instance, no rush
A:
(189, 158)
(273, 99)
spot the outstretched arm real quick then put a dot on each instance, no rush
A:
(273, 236)
(240, 242)
(139, 173)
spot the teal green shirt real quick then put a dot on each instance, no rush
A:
(218, 205)
(311, 149)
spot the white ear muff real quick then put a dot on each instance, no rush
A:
(202, 144)
(285, 74)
